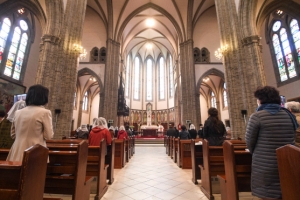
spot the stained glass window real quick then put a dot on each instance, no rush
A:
(171, 76)
(285, 42)
(13, 43)
(161, 77)
(149, 79)
(213, 100)
(4, 31)
(136, 93)
(296, 36)
(85, 101)
(127, 76)
(225, 96)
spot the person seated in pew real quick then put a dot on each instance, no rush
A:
(82, 132)
(269, 128)
(171, 132)
(214, 129)
(32, 124)
(294, 107)
(184, 134)
(99, 132)
(122, 133)
(192, 131)
(112, 131)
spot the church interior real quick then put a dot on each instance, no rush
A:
(149, 62)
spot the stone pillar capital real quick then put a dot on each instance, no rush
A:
(51, 39)
(250, 40)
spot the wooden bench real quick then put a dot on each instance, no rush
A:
(175, 149)
(127, 149)
(4, 154)
(98, 164)
(66, 172)
(288, 158)
(237, 163)
(197, 159)
(24, 180)
(185, 154)
(120, 154)
(167, 145)
(170, 146)
(213, 165)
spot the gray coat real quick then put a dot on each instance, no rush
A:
(265, 133)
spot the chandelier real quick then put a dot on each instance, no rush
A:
(221, 51)
(80, 50)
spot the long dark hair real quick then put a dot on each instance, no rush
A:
(213, 114)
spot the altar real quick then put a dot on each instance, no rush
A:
(149, 131)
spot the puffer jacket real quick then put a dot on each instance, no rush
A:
(265, 133)
(297, 137)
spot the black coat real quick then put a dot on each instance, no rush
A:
(215, 134)
(193, 133)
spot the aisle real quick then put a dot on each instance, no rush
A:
(151, 174)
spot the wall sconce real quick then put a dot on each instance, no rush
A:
(221, 51)
(80, 50)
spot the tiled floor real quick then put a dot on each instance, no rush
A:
(152, 175)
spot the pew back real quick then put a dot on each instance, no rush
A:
(185, 154)
(197, 159)
(288, 158)
(18, 178)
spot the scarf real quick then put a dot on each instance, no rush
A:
(275, 108)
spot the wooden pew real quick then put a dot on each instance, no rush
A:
(175, 149)
(237, 163)
(167, 145)
(4, 154)
(98, 164)
(288, 158)
(66, 173)
(170, 146)
(197, 159)
(24, 180)
(127, 150)
(178, 154)
(120, 154)
(185, 154)
(213, 165)
(165, 141)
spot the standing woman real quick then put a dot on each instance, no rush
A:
(192, 131)
(32, 124)
(269, 128)
(214, 130)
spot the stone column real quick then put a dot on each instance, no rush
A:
(110, 98)
(79, 113)
(188, 86)
(242, 75)
(58, 59)
(198, 110)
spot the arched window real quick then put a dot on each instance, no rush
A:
(225, 95)
(136, 93)
(285, 39)
(161, 77)
(213, 100)
(149, 78)
(85, 101)
(102, 55)
(197, 55)
(14, 36)
(94, 55)
(171, 76)
(205, 55)
(127, 76)
(74, 100)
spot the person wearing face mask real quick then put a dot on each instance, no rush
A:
(269, 128)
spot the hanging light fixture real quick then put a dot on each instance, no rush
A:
(221, 51)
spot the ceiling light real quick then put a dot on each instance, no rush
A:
(150, 22)
(206, 79)
(149, 46)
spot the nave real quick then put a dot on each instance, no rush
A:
(152, 175)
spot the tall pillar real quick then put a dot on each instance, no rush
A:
(79, 113)
(188, 86)
(58, 59)
(110, 98)
(242, 75)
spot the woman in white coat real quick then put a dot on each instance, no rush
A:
(32, 124)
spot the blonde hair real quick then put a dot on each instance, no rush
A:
(293, 106)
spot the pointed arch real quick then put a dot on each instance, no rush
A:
(211, 71)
